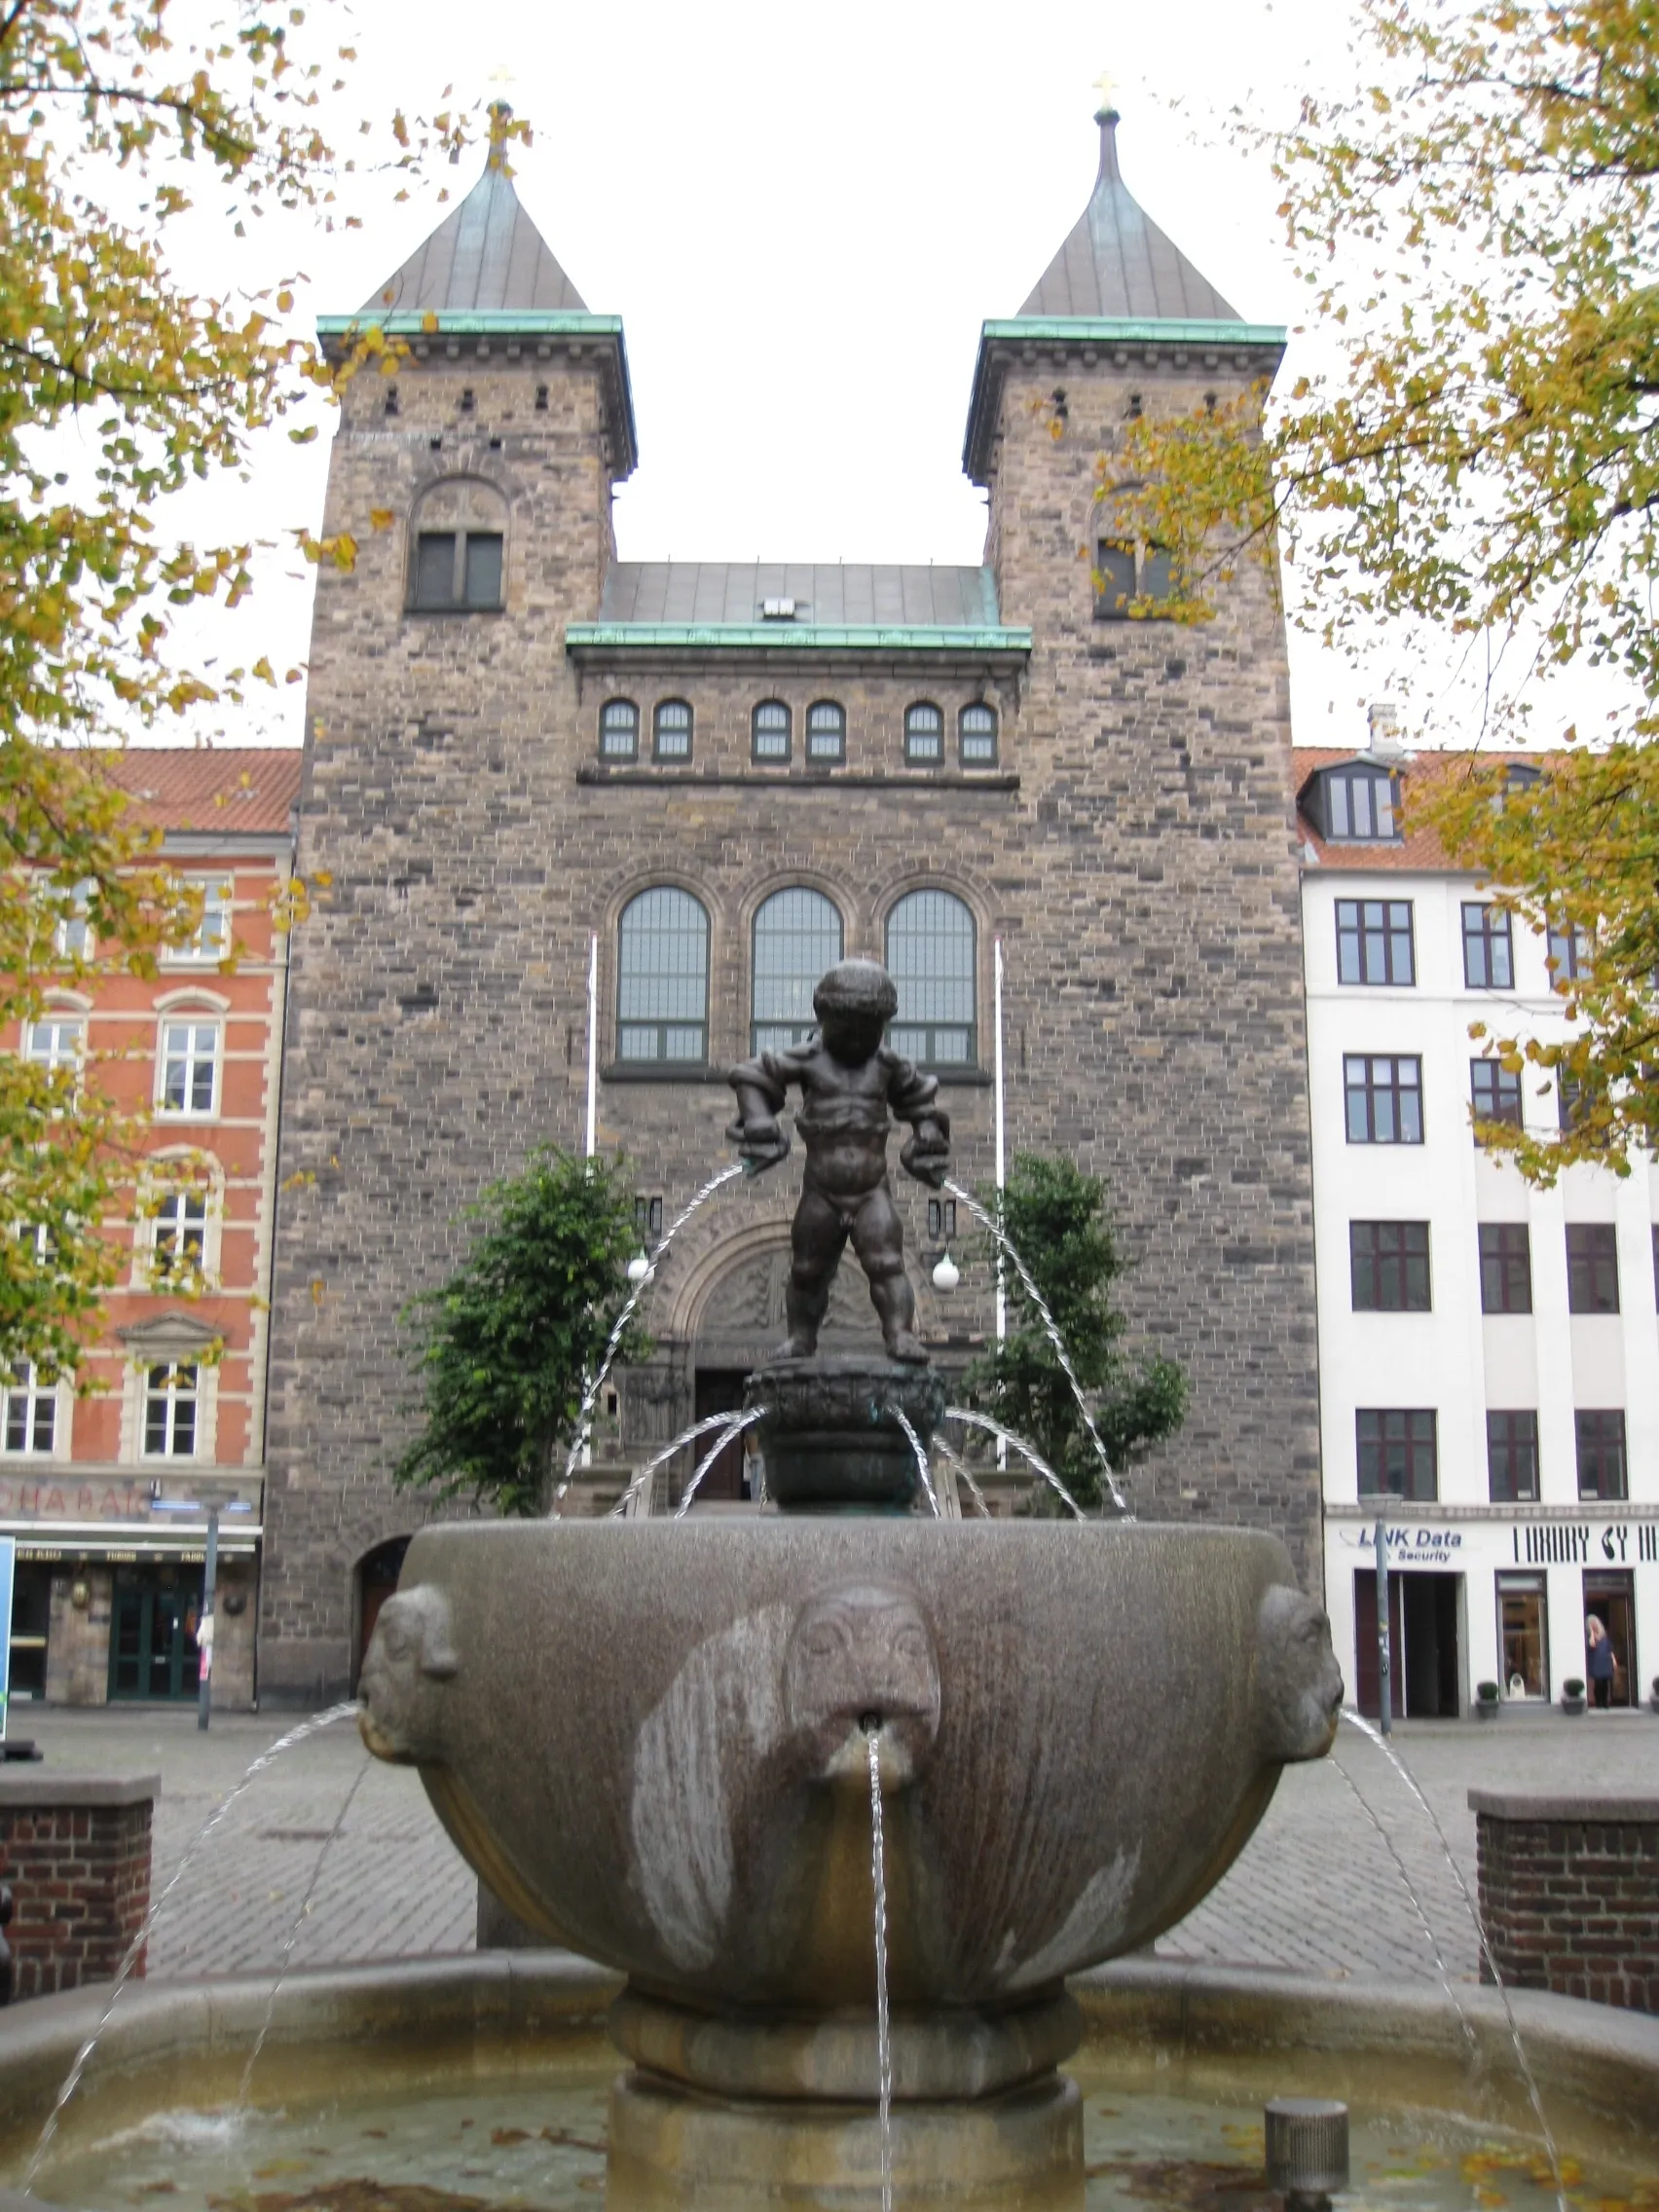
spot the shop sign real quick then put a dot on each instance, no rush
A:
(1584, 1543)
(27, 1497)
(1421, 1546)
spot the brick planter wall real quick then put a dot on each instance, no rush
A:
(1569, 1893)
(75, 1851)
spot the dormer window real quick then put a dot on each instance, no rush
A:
(1354, 804)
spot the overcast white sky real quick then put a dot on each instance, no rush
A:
(803, 216)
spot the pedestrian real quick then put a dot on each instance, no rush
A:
(1599, 1661)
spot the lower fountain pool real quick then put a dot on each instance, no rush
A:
(541, 2143)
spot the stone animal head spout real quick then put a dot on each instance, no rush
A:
(1299, 1685)
(861, 1662)
(409, 1659)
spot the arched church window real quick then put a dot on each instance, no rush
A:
(769, 736)
(671, 730)
(977, 730)
(924, 734)
(662, 978)
(797, 935)
(619, 730)
(825, 732)
(458, 541)
(931, 958)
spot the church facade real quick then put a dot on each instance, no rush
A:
(520, 748)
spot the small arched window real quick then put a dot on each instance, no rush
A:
(459, 538)
(662, 978)
(671, 730)
(931, 958)
(619, 730)
(977, 733)
(769, 733)
(825, 732)
(797, 935)
(923, 735)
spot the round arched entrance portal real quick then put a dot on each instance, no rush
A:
(375, 1578)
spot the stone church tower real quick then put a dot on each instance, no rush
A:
(728, 775)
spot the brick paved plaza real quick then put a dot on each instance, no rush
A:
(1322, 1888)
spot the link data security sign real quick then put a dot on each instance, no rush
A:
(8, 1564)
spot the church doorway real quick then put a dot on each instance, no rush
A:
(720, 1390)
(376, 1578)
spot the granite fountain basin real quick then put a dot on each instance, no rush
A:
(651, 1741)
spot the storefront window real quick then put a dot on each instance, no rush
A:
(1526, 1639)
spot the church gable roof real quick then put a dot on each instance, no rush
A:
(1117, 264)
(485, 257)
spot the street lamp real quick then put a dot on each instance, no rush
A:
(946, 1274)
(210, 1579)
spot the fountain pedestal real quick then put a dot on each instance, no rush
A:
(830, 1436)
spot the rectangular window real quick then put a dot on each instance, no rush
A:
(1592, 1267)
(1494, 1091)
(483, 578)
(648, 1220)
(74, 932)
(170, 1411)
(190, 1067)
(57, 1043)
(31, 1414)
(1506, 1266)
(1568, 953)
(1361, 806)
(1374, 941)
(1397, 1454)
(1512, 1456)
(1522, 1624)
(1601, 1440)
(1384, 1098)
(941, 1221)
(1388, 1262)
(211, 939)
(1115, 567)
(180, 1236)
(1570, 1101)
(1488, 965)
(434, 569)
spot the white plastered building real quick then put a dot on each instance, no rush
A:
(1489, 1354)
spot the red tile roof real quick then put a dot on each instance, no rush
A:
(242, 789)
(1420, 848)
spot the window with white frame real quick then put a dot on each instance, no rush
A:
(73, 936)
(179, 1240)
(57, 1041)
(190, 1067)
(171, 1395)
(209, 942)
(31, 1414)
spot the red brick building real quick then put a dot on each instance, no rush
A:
(108, 1493)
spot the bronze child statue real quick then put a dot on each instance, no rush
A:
(849, 1080)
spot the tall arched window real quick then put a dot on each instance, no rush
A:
(769, 731)
(797, 935)
(662, 978)
(930, 956)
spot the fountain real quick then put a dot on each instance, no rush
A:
(841, 1796)
(655, 1744)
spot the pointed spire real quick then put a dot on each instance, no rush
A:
(485, 255)
(1115, 263)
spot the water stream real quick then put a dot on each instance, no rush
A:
(285, 1960)
(590, 1396)
(135, 1949)
(1522, 2063)
(921, 1452)
(1018, 1444)
(661, 1458)
(1052, 1330)
(1470, 2043)
(965, 1474)
(734, 1426)
(883, 2033)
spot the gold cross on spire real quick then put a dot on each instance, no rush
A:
(1106, 85)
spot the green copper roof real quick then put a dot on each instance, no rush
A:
(476, 323)
(1135, 330)
(796, 637)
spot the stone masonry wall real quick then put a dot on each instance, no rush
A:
(1132, 849)
(76, 1856)
(1569, 1893)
